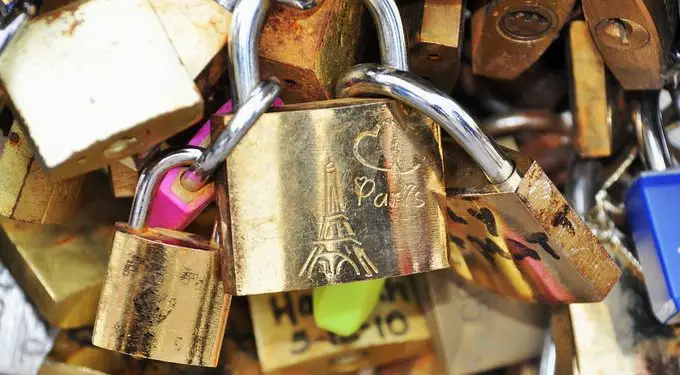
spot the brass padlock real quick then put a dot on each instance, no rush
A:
(512, 229)
(308, 50)
(338, 184)
(26, 193)
(508, 36)
(162, 298)
(77, 67)
(468, 323)
(597, 102)
(435, 30)
(288, 340)
(62, 267)
(635, 38)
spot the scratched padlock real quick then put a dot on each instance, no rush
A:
(511, 228)
(287, 337)
(61, 267)
(469, 323)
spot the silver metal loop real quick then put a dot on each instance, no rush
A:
(585, 179)
(391, 34)
(533, 121)
(416, 92)
(259, 101)
(150, 178)
(650, 131)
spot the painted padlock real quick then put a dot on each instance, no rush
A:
(333, 191)
(162, 298)
(510, 229)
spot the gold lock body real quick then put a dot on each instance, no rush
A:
(162, 298)
(26, 193)
(61, 267)
(521, 238)
(509, 36)
(309, 50)
(435, 30)
(468, 323)
(597, 100)
(70, 73)
(635, 38)
(326, 193)
(289, 341)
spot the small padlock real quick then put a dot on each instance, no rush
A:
(162, 297)
(468, 323)
(338, 184)
(508, 36)
(288, 340)
(598, 105)
(651, 203)
(532, 245)
(61, 267)
(308, 50)
(25, 338)
(77, 67)
(26, 193)
(635, 38)
(435, 31)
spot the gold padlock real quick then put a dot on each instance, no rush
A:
(26, 193)
(513, 231)
(435, 30)
(508, 36)
(309, 50)
(635, 38)
(162, 298)
(597, 101)
(288, 339)
(61, 267)
(77, 67)
(338, 185)
(468, 323)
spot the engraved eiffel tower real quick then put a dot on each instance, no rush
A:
(336, 243)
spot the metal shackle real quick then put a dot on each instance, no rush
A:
(367, 79)
(150, 179)
(649, 130)
(260, 99)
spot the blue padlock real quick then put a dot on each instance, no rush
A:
(652, 203)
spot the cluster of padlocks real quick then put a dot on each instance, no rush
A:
(383, 187)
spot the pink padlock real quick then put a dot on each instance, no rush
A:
(175, 207)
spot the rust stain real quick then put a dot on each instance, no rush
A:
(74, 25)
(65, 239)
(13, 138)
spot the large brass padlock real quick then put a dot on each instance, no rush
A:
(597, 102)
(332, 195)
(512, 229)
(61, 267)
(309, 50)
(162, 298)
(635, 38)
(77, 67)
(509, 36)
(469, 322)
(289, 342)
(435, 39)
(26, 193)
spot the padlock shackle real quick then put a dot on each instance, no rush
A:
(260, 99)
(150, 179)
(584, 180)
(391, 34)
(649, 130)
(416, 92)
